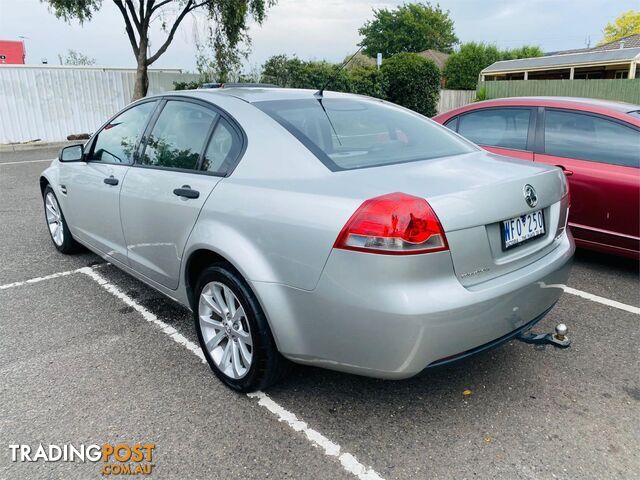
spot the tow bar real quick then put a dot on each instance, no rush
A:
(558, 339)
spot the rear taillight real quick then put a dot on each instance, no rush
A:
(393, 224)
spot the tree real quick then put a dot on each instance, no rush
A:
(228, 19)
(463, 67)
(628, 23)
(75, 58)
(413, 27)
(282, 70)
(293, 72)
(413, 82)
(526, 51)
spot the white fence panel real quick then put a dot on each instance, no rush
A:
(450, 99)
(49, 102)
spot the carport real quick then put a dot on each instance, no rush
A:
(608, 64)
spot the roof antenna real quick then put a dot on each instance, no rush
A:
(333, 77)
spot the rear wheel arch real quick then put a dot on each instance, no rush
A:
(197, 262)
(202, 258)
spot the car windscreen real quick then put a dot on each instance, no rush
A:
(350, 133)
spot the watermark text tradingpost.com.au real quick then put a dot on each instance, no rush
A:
(114, 458)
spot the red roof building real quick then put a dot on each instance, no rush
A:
(12, 52)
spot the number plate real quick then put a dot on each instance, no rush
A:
(518, 230)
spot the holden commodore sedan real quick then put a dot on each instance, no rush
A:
(595, 142)
(325, 229)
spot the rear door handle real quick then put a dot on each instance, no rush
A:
(111, 180)
(567, 172)
(186, 191)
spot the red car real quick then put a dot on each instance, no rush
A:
(595, 142)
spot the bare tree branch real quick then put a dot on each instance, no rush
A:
(160, 5)
(128, 27)
(149, 10)
(134, 16)
(188, 8)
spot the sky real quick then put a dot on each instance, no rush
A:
(310, 29)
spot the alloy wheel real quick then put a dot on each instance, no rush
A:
(54, 218)
(225, 330)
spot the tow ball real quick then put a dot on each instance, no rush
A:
(558, 339)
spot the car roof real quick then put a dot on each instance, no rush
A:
(615, 106)
(259, 94)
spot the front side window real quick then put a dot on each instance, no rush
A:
(178, 136)
(589, 137)
(350, 133)
(497, 127)
(117, 141)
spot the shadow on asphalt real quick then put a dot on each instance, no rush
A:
(604, 261)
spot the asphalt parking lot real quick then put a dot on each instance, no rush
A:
(92, 357)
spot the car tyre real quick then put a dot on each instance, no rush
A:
(234, 333)
(57, 224)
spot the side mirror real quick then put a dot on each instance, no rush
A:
(72, 153)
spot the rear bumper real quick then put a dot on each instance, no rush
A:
(488, 346)
(391, 317)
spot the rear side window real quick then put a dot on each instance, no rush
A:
(223, 149)
(589, 137)
(116, 142)
(178, 136)
(348, 133)
(498, 127)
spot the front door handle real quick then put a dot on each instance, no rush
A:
(186, 191)
(567, 172)
(111, 180)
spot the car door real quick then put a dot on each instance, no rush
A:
(93, 187)
(186, 154)
(503, 130)
(601, 158)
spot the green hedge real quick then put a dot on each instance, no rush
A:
(413, 82)
(406, 79)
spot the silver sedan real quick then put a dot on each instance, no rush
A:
(321, 228)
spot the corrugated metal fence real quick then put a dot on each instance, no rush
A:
(50, 102)
(627, 90)
(450, 99)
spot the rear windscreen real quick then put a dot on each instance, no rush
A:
(346, 134)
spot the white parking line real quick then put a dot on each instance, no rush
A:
(604, 301)
(348, 461)
(593, 298)
(39, 279)
(146, 314)
(26, 161)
